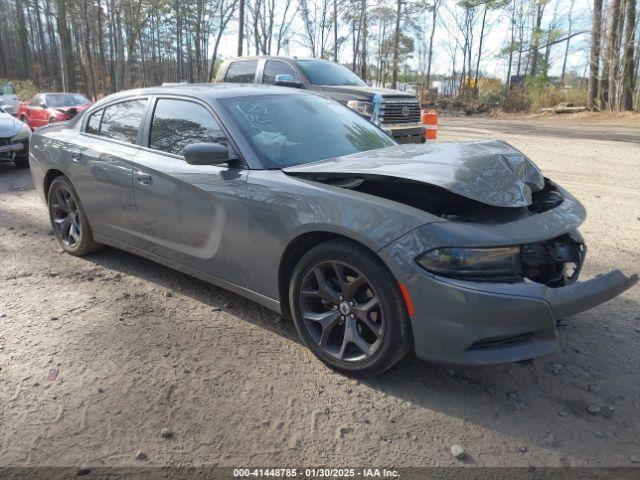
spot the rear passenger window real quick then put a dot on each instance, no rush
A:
(93, 124)
(242, 72)
(178, 123)
(122, 120)
(273, 68)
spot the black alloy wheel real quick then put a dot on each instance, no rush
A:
(68, 219)
(348, 309)
(341, 311)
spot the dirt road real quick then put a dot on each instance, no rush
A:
(98, 354)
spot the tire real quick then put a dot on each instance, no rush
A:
(371, 332)
(22, 162)
(68, 219)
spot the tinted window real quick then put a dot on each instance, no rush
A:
(290, 129)
(178, 123)
(242, 72)
(321, 72)
(122, 120)
(93, 124)
(272, 68)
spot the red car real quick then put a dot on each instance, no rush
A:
(45, 108)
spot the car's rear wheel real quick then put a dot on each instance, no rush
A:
(348, 309)
(68, 218)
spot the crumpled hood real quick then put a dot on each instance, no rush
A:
(78, 108)
(492, 172)
(9, 125)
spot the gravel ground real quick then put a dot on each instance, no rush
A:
(99, 354)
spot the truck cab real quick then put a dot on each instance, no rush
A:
(396, 112)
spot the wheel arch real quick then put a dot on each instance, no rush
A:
(294, 251)
(49, 177)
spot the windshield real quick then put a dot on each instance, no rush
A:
(7, 89)
(66, 99)
(321, 72)
(286, 130)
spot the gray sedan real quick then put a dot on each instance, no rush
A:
(459, 252)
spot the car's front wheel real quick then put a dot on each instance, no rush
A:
(68, 218)
(348, 309)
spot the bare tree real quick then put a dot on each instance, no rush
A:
(610, 56)
(628, 77)
(594, 55)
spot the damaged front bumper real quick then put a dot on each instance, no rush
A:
(472, 322)
(9, 151)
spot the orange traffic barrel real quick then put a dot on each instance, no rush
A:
(430, 123)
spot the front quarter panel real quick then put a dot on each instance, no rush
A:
(282, 208)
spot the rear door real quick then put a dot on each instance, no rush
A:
(103, 168)
(191, 214)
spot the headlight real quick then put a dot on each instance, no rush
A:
(23, 134)
(495, 264)
(363, 108)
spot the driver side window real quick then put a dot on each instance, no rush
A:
(178, 123)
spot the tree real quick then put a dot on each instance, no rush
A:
(611, 55)
(594, 55)
(434, 11)
(566, 49)
(396, 46)
(537, 33)
(628, 76)
(240, 26)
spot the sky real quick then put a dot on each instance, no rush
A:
(498, 32)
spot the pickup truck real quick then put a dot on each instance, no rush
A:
(394, 111)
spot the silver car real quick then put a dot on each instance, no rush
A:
(8, 99)
(459, 252)
(14, 140)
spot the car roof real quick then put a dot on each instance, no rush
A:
(276, 57)
(205, 91)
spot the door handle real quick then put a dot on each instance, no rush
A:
(76, 157)
(143, 178)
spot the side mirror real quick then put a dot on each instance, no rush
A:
(43, 105)
(206, 154)
(287, 80)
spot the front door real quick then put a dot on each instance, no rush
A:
(191, 214)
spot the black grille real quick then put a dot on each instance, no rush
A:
(400, 112)
(4, 141)
(500, 341)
